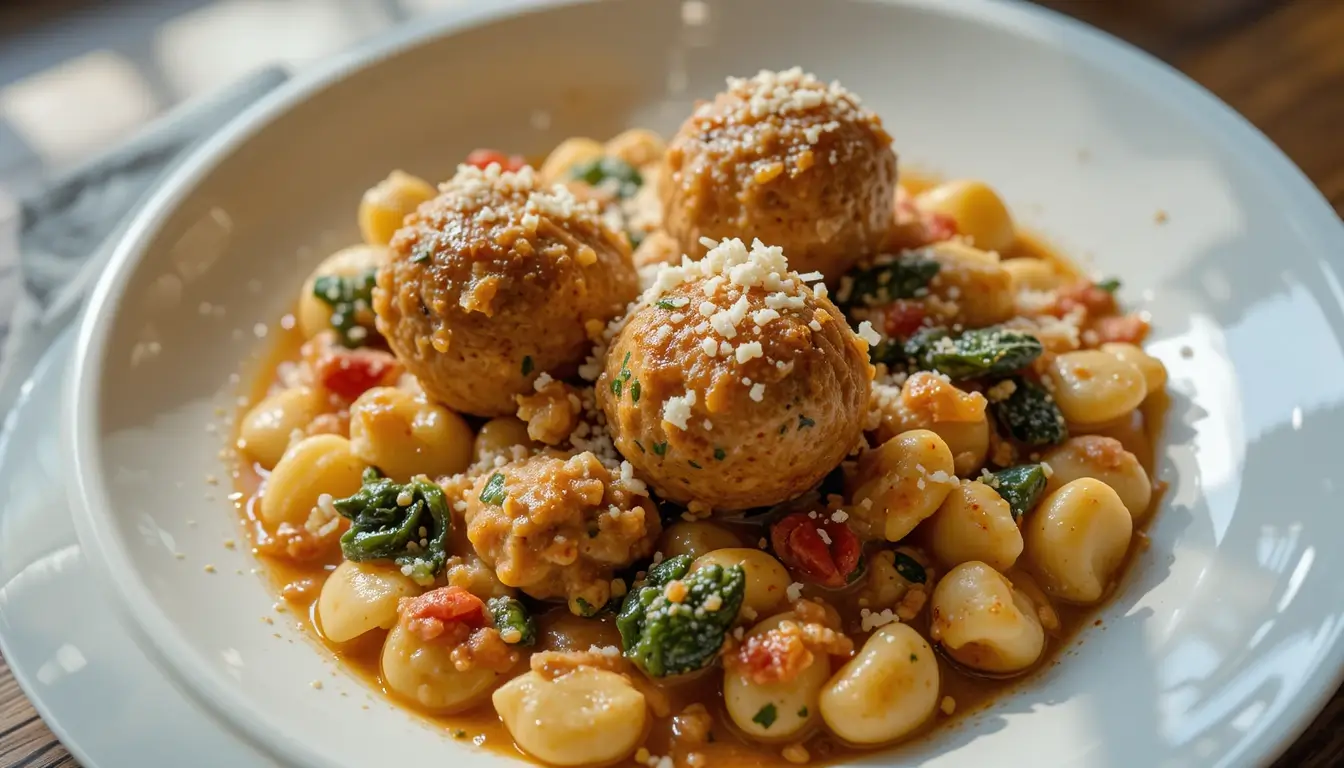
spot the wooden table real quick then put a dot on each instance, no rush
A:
(1279, 63)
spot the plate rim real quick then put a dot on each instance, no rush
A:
(87, 493)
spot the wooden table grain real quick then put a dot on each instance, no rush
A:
(1280, 63)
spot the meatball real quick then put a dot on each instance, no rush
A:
(558, 527)
(788, 159)
(495, 281)
(734, 385)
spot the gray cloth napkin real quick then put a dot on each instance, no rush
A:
(68, 230)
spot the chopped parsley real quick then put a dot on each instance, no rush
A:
(720, 454)
(766, 716)
(527, 365)
(622, 376)
(660, 449)
(804, 422)
(665, 304)
(1109, 285)
(634, 390)
(494, 492)
(693, 464)
(783, 428)
(909, 568)
(586, 608)
(913, 657)
(459, 734)
(802, 712)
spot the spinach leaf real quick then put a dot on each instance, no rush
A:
(596, 172)
(516, 626)
(1020, 486)
(405, 523)
(1030, 415)
(974, 354)
(351, 300)
(670, 637)
(902, 277)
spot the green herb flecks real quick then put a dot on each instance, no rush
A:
(720, 454)
(351, 300)
(494, 492)
(804, 422)
(527, 365)
(1109, 285)
(622, 376)
(406, 523)
(802, 712)
(693, 464)
(766, 716)
(635, 389)
(660, 449)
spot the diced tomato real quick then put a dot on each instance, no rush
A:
(772, 657)
(902, 318)
(798, 541)
(939, 227)
(1086, 294)
(435, 612)
(1128, 329)
(349, 373)
(916, 229)
(482, 158)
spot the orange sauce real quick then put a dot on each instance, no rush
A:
(298, 584)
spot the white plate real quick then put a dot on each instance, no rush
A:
(66, 646)
(1224, 641)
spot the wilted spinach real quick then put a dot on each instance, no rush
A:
(406, 523)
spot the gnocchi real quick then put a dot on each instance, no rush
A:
(695, 539)
(360, 597)
(388, 202)
(1093, 387)
(405, 435)
(776, 711)
(1030, 274)
(1104, 459)
(424, 674)
(889, 689)
(974, 523)
(269, 426)
(587, 717)
(983, 622)
(972, 281)
(1076, 539)
(977, 209)
(498, 436)
(313, 467)
(902, 482)
(1154, 372)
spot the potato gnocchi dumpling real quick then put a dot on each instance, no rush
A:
(1076, 539)
(317, 466)
(314, 312)
(775, 710)
(901, 483)
(586, 717)
(1104, 459)
(974, 523)
(889, 689)
(975, 208)
(767, 578)
(360, 597)
(405, 435)
(983, 622)
(1093, 387)
(696, 538)
(425, 674)
(271, 425)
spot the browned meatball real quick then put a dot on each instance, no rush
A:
(733, 385)
(495, 281)
(788, 159)
(557, 526)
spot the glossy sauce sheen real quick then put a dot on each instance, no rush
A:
(298, 586)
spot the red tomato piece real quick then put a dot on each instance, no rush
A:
(824, 551)
(349, 373)
(1127, 329)
(902, 318)
(450, 611)
(482, 158)
(1084, 294)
